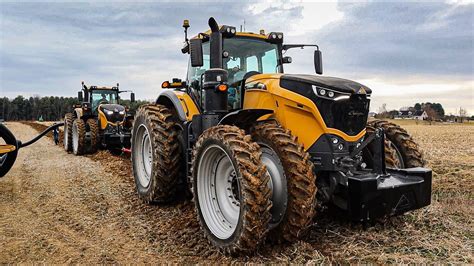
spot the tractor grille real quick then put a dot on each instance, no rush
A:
(349, 116)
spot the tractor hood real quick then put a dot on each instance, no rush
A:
(336, 84)
(113, 112)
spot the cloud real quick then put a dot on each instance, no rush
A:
(397, 48)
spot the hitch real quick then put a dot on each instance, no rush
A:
(378, 158)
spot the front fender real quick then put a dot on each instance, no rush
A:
(244, 118)
(180, 102)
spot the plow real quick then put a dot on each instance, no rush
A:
(256, 148)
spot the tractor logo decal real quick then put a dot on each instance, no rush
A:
(361, 91)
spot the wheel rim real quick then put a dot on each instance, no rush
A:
(75, 137)
(218, 192)
(277, 184)
(65, 139)
(144, 156)
(399, 158)
(3, 157)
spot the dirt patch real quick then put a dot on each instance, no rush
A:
(56, 207)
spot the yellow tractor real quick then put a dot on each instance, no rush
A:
(99, 121)
(258, 148)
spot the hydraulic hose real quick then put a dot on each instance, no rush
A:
(53, 127)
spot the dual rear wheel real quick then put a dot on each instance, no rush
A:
(244, 186)
(75, 130)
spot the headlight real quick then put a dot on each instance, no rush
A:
(109, 112)
(122, 112)
(330, 94)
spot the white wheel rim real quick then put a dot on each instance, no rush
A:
(75, 137)
(143, 156)
(218, 192)
(65, 140)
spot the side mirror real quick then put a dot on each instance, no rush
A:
(195, 50)
(318, 62)
(287, 60)
(79, 96)
(132, 97)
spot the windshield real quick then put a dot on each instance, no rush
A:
(103, 97)
(247, 55)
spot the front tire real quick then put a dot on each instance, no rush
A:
(94, 133)
(300, 181)
(78, 136)
(231, 189)
(156, 153)
(401, 150)
(67, 141)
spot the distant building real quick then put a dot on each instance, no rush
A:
(404, 114)
(372, 114)
(420, 115)
(409, 114)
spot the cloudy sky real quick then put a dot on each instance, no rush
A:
(406, 52)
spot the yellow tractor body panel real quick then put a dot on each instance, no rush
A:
(189, 107)
(293, 111)
(7, 148)
(103, 122)
(238, 34)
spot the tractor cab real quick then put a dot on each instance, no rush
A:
(103, 96)
(244, 54)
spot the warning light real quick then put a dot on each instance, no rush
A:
(222, 87)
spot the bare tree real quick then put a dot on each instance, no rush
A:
(383, 111)
(462, 114)
(432, 114)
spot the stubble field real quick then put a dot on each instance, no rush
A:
(59, 208)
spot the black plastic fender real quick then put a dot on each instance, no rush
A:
(244, 118)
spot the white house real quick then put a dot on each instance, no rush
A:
(420, 115)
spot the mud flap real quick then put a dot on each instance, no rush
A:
(373, 196)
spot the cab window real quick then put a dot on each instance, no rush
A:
(103, 97)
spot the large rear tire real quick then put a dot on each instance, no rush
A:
(156, 153)
(401, 150)
(94, 134)
(300, 180)
(231, 189)
(67, 141)
(78, 136)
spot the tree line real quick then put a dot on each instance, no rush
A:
(51, 108)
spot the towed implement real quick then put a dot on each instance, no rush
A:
(98, 122)
(258, 148)
(9, 145)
